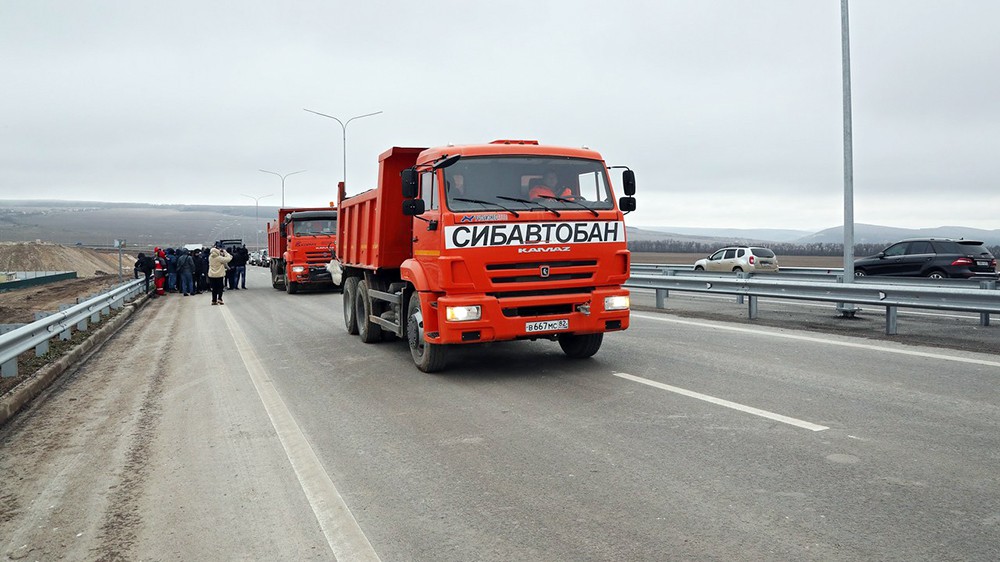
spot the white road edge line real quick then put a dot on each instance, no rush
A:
(856, 345)
(344, 535)
(725, 403)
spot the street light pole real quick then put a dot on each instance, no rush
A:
(256, 217)
(282, 181)
(343, 128)
(847, 309)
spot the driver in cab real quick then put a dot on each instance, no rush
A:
(548, 188)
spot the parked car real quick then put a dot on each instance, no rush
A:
(750, 259)
(936, 258)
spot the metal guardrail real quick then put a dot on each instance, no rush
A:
(832, 274)
(37, 334)
(891, 294)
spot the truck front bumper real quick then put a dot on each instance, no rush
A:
(528, 317)
(310, 274)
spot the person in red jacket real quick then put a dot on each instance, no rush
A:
(159, 270)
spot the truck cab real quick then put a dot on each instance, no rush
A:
(507, 240)
(302, 242)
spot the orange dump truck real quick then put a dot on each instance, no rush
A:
(479, 243)
(300, 244)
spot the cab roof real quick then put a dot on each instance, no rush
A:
(508, 147)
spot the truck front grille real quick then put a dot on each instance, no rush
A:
(507, 274)
(318, 257)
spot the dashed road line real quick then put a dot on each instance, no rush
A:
(725, 403)
(842, 343)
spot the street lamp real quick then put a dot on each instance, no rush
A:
(343, 127)
(282, 181)
(256, 216)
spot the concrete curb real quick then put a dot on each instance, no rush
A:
(12, 402)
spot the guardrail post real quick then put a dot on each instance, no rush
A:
(42, 348)
(890, 320)
(9, 369)
(984, 317)
(662, 294)
(752, 307)
(81, 326)
(68, 332)
(741, 275)
(95, 317)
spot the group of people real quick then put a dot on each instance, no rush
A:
(195, 271)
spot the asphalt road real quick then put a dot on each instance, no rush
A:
(261, 430)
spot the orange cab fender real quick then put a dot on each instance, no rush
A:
(412, 271)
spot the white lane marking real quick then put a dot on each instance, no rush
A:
(725, 403)
(856, 345)
(344, 535)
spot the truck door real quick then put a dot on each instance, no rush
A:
(426, 242)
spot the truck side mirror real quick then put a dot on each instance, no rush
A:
(410, 183)
(628, 183)
(626, 204)
(413, 207)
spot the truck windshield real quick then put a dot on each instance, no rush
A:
(314, 227)
(526, 182)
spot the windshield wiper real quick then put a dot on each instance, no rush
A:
(529, 202)
(486, 203)
(577, 203)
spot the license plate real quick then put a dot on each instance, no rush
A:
(982, 263)
(546, 326)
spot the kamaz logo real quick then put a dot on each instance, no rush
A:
(544, 271)
(543, 249)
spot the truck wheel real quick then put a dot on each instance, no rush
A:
(369, 331)
(429, 357)
(274, 280)
(291, 287)
(580, 346)
(350, 290)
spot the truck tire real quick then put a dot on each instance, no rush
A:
(429, 357)
(369, 331)
(580, 346)
(291, 287)
(350, 319)
(280, 285)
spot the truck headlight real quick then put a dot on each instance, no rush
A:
(298, 268)
(463, 313)
(620, 302)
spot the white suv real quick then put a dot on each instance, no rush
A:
(739, 258)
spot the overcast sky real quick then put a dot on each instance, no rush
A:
(729, 111)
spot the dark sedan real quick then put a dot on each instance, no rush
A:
(936, 258)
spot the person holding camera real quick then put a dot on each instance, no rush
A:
(217, 260)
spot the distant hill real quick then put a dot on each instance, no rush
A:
(874, 234)
(99, 224)
(731, 234)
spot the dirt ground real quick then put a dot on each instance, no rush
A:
(46, 256)
(18, 306)
(96, 272)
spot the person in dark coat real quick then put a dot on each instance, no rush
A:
(171, 258)
(199, 272)
(185, 271)
(144, 265)
(240, 258)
